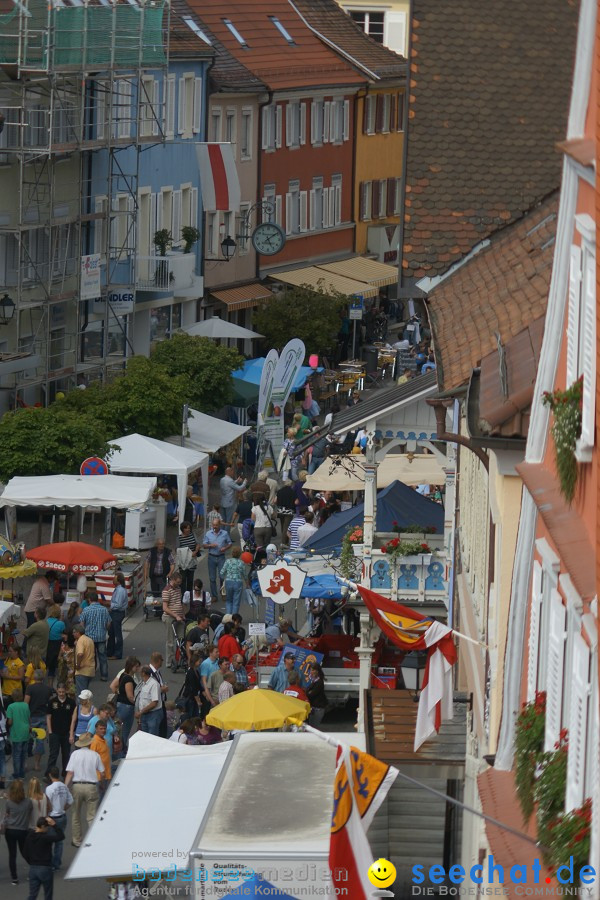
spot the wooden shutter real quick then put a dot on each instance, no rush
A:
(554, 675)
(333, 121)
(278, 209)
(302, 124)
(362, 201)
(288, 213)
(331, 216)
(395, 32)
(391, 197)
(366, 110)
(181, 107)
(534, 630)
(346, 130)
(197, 105)
(588, 364)
(176, 217)
(266, 115)
(326, 106)
(375, 200)
(278, 123)
(578, 714)
(314, 122)
(573, 314)
(324, 223)
(289, 124)
(303, 210)
(400, 112)
(379, 113)
(194, 207)
(312, 210)
(392, 116)
(170, 106)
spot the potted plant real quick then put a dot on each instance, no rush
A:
(566, 430)
(410, 552)
(529, 745)
(189, 236)
(162, 240)
(351, 547)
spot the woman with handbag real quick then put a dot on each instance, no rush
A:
(191, 691)
(263, 525)
(16, 824)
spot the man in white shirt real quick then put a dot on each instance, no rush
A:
(83, 771)
(60, 799)
(306, 531)
(148, 703)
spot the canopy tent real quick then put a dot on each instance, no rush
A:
(110, 491)
(138, 453)
(396, 503)
(207, 434)
(246, 381)
(349, 475)
(220, 328)
(154, 772)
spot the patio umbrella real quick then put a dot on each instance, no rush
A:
(256, 887)
(71, 556)
(219, 328)
(246, 381)
(257, 710)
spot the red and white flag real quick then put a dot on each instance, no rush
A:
(219, 180)
(410, 630)
(360, 787)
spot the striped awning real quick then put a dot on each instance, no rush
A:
(244, 296)
(363, 269)
(320, 278)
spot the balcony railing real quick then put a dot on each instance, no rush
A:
(422, 578)
(169, 274)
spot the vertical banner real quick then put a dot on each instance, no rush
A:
(278, 377)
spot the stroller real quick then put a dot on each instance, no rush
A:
(180, 656)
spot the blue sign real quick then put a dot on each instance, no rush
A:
(93, 465)
(303, 658)
(269, 612)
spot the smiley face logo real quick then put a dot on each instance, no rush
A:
(381, 873)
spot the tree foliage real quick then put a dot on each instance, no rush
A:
(312, 315)
(206, 366)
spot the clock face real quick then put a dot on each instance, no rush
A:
(268, 238)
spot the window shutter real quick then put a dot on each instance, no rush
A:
(181, 124)
(579, 686)
(288, 125)
(379, 113)
(130, 224)
(194, 207)
(383, 186)
(395, 32)
(333, 121)
(278, 209)
(400, 112)
(303, 123)
(554, 676)
(197, 105)
(288, 213)
(266, 114)
(346, 119)
(326, 106)
(176, 217)
(303, 210)
(574, 307)
(391, 196)
(278, 123)
(159, 212)
(100, 110)
(375, 201)
(588, 367)
(152, 226)
(325, 212)
(362, 201)
(170, 106)
(156, 107)
(392, 116)
(331, 217)
(313, 200)
(314, 120)
(125, 109)
(534, 630)
(338, 204)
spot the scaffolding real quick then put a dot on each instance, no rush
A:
(73, 104)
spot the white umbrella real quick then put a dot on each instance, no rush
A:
(418, 468)
(218, 328)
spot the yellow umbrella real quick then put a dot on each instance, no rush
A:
(257, 710)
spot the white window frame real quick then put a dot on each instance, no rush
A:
(231, 127)
(247, 125)
(292, 208)
(269, 196)
(370, 113)
(271, 125)
(534, 630)
(336, 194)
(148, 109)
(550, 570)
(169, 104)
(579, 688)
(101, 226)
(216, 125)
(212, 233)
(318, 211)
(336, 120)
(386, 124)
(367, 12)
(555, 669)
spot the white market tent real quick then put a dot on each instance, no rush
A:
(165, 787)
(220, 328)
(411, 469)
(109, 491)
(138, 453)
(209, 434)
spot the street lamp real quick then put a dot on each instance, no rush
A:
(413, 671)
(228, 248)
(7, 309)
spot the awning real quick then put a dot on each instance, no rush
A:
(208, 434)
(114, 491)
(422, 468)
(361, 268)
(316, 278)
(244, 296)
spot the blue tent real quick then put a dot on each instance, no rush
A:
(246, 381)
(395, 503)
(256, 887)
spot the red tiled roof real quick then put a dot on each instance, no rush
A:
(502, 289)
(489, 98)
(564, 523)
(308, 62)
(336, 26)
(182, 40)
(505, 409)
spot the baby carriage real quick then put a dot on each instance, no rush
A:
(179, 656)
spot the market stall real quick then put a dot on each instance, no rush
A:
(208, 434)
(131, 566)
(141, 454)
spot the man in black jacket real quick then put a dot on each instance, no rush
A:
(38, 853)
(160, 564)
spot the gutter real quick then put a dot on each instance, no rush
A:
(404, 152)
(335, 47)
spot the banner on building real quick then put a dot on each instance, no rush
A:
(90, 288)
(219, 180)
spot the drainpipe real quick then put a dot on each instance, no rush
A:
(266, 102)
(440, 407)
(404, 149)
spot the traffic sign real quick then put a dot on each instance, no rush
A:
(93, 465)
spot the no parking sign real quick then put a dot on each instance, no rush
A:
(93, 465)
